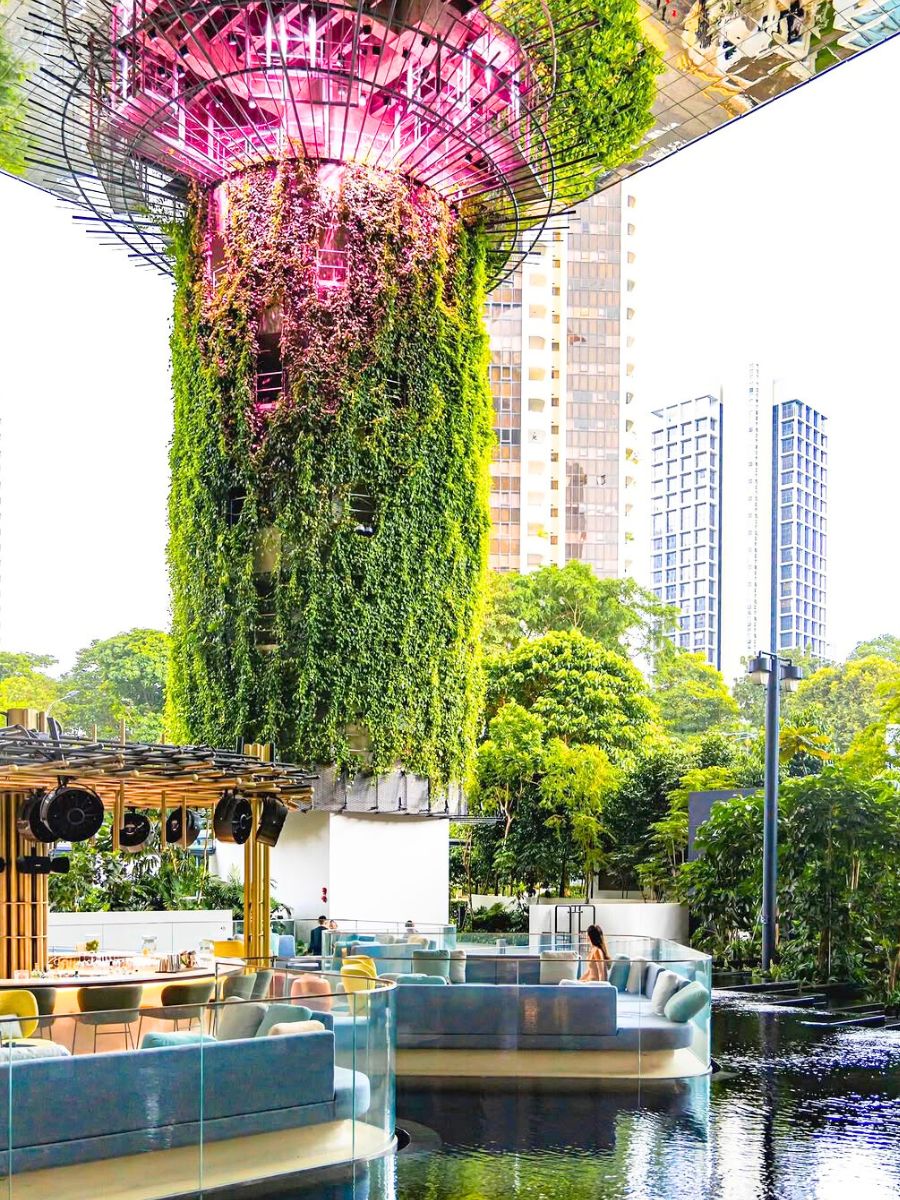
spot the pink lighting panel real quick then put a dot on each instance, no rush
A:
(430, 89)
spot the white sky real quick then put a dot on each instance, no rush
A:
(776, 239)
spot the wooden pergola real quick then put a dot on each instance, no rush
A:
(126, 775)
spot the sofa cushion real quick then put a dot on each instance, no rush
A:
(604, 983)
(405, 977)
(283, 1014)
(431, 962)
(173, 1037)
(457, 966)
(238, 1019)
(288, 1028)
(635, 981)
(665, 987)
(650, 976)
(618, 973)
(686, 1003)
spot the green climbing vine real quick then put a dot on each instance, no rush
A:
(328, 550)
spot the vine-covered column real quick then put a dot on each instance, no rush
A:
(329, 499)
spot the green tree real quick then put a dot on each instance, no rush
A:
(12, 146)
(31, 690)
(582, 692)
(722, 884)
(885, 645)
(640, 801)
(23, 663)
(842, 700)
(617, 613)
(121, 677)
(576, 783)
(840, 910)
(691, 694)
(600, 73)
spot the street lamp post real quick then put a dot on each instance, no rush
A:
(774, 673)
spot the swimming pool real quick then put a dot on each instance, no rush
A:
(798, 1112)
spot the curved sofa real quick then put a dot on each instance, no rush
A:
(98, 1106)
(477, 1016)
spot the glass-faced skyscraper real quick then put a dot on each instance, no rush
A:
(687, 520)
(802, 525)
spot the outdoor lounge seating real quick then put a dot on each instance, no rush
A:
(531, 1017)
(285, 1082)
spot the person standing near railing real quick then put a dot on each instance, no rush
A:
(315, 937)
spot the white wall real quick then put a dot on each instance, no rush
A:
(379, 868)
(389, 868)
(300, 863)
(175, 931)
(621, 918)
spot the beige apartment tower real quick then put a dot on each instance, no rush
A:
(561, 330)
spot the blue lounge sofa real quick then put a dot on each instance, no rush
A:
(94, 1106)
(486, 1016)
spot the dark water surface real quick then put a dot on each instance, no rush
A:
(798, 1113)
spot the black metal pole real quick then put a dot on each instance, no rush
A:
(770, 813)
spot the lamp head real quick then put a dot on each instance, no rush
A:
(790, 676)
(759, 669)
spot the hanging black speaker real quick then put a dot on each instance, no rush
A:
(175, 829)
(72, 814)
(29, 823)
(271, 822)
(233, 818)
(135, 831)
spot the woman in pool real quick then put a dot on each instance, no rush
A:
(598, 956)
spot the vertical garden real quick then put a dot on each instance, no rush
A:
(329, 499)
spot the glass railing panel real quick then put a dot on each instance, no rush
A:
(105, 1098)
(224, 1092)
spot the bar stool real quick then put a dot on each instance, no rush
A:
(262, 985)
(46, 1002)
(114, 1004)
(181, 1002)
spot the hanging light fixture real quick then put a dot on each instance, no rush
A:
(29, 823)
(233, 818)
(271, 822)
(183, 833)
(135, 831)
(72, 814)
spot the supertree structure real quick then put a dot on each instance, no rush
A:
(334, 186)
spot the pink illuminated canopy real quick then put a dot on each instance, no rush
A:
(430, 89)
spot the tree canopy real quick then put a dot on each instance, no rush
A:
(122, 677)
(885, 645)
(583, 693)
(617, 613)
(691, 694)
(842, 700)
(12, 153)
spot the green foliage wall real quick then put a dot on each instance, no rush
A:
(375, 637)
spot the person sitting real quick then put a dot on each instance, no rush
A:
(598, 957)
(315, 937)
(410, 928)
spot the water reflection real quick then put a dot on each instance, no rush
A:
(800, 1112)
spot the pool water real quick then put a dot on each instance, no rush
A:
(798, 1112)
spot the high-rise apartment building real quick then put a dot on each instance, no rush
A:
(565, 461)
(801, 489)
(686, 506)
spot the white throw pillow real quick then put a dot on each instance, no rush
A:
(635, 982)
(288, 1028)
(584, 983)
(666, 985)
